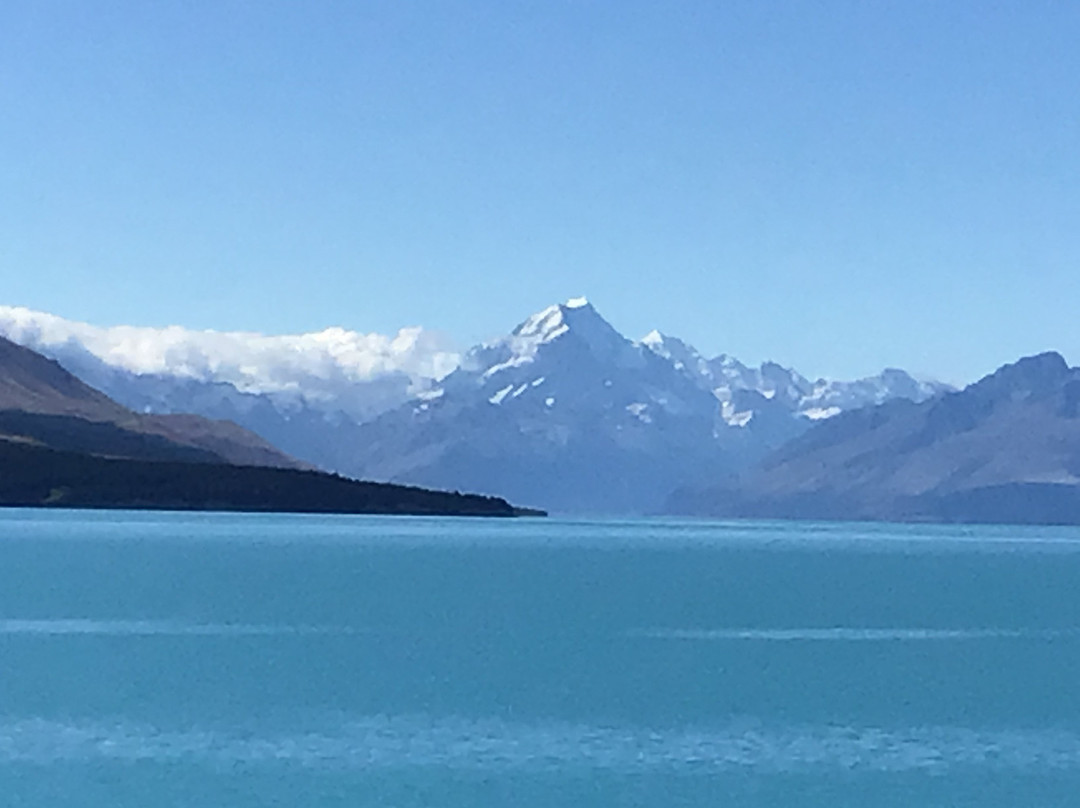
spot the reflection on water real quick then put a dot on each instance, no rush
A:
(475, 744)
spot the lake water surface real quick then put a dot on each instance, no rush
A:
(252, 660)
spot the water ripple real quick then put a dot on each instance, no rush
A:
(385, 742)
(849, 634)
(150, 628)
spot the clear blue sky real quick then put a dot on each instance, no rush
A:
(836, 185)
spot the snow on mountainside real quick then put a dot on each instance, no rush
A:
(570, 358)
(564, 412)
(567, 413)
(730, 381)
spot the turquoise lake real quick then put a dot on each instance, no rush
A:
(263, 660)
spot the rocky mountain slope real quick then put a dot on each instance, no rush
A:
(1006, 448)
(46, 397)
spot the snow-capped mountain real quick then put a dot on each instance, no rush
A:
(731, 382)
(564, 412)
(829, 398)
(1003, 450)
(567, 413)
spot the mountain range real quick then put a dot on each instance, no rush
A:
(1004, 449)
(63, 443)
(563, 413)
(39, 391)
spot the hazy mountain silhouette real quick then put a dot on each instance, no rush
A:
(1005, 449)
(62, 443)
(35, 385)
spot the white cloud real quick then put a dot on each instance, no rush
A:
(322, 361)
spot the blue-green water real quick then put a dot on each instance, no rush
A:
(228, 660)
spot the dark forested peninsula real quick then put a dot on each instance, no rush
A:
(36, 476)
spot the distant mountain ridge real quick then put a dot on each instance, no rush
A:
(64, 444)
(567, 413)
(47, 396)
(563, 412)
(743, 390)
(1006, 448)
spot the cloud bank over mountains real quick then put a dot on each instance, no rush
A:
(316, 365)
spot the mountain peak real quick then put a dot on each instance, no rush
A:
(1039, 373)
(665, 344)
(560, 332)
(683, 356)
(1050, 363)
(543, 326)
(653, 339)
(576, 315)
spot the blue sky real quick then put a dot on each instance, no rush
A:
(838, 186)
